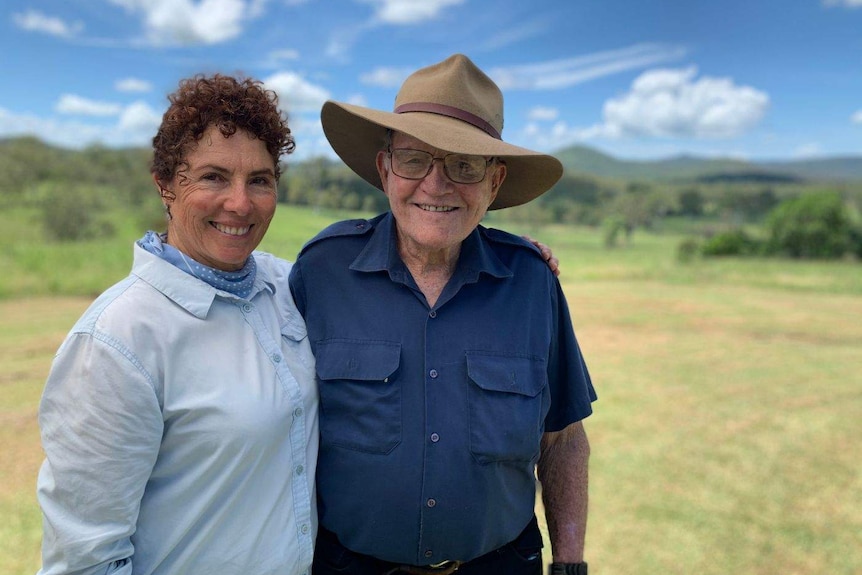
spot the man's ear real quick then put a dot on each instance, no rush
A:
(497, 179)
(382, 162)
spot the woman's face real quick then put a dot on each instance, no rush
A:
(224, 200)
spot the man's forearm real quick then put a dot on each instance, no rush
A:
(563, 472)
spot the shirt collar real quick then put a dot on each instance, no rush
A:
(381, 254)
(188, 292)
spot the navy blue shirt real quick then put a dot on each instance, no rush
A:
(431, 417)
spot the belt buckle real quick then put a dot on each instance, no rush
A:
(439, 568)
(444, 566)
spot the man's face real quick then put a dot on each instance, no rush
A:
(435, 214)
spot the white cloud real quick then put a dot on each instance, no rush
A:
(557, 74)
(386, 77)
(140, 118)
(35, 21)
(76, 105)
(295, 94)
(67, 134)
(542, 137)
(856, 118)
(399, 12)
(847, 3)
(357, 100)
(189, 22)
(132, 85)
(523, 31)
(808, 151)
(284, 54)
(70, 133)
(277, 58)
(540, 114)
(671, 103)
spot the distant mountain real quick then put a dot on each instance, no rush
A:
(582, 159)
(848, 168)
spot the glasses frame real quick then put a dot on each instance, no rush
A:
(390, 150)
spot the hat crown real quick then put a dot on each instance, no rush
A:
(458, 83)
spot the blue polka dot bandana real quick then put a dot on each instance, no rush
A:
(239, 283)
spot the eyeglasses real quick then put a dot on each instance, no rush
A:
(416, 164)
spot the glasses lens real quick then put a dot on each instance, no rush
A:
(461, 168)
(411, 164)
(465, 169)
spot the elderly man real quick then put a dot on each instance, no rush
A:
(447, 364)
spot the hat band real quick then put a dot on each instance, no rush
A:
(451, 112)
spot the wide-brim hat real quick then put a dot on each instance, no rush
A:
(452, 106)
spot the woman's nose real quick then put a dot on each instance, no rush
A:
(239, 200)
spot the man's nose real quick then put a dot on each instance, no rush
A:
(437, 175)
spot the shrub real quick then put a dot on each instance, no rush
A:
(612, 226)
(856, 241)
(71, 213)
(688, 250)
(811, 226)
(733, 242)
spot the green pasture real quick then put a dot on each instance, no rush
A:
(728, 433)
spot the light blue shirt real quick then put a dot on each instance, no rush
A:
(179, 424)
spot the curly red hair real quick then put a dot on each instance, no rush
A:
(229, 103)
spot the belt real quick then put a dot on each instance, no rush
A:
(442, 568)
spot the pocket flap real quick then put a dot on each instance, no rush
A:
(294, 328)
(507, 373)
(359, 360)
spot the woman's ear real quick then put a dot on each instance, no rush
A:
(166, 195)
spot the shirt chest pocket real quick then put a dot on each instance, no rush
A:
(507, 406)
(360, 399)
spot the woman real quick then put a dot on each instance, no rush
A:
(179, 419)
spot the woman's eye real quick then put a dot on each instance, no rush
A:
(211, 177)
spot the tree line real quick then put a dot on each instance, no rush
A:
(76, 189)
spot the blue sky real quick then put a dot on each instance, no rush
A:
(639, 79)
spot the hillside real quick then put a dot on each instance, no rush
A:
(27, 161)
(587, 160)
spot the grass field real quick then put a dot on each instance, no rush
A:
(727, 436)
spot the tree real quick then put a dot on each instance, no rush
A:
(691, 203)
(815, 225)
(75, 212)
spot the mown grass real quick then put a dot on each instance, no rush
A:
(728, 429)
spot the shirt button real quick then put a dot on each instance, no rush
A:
(246, 307)
(433, 374)
(432, 314)
(304, 529)
(276, 358)
(435, 438)
(297, 412)
(431, 502)
(299, 469)
(429, 553)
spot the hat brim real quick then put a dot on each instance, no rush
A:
(357, 133)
